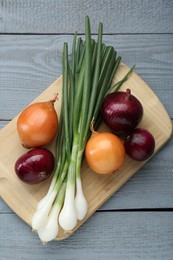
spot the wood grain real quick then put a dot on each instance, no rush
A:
(97, 189)
(118, 16)
(30, 63)
(107, 235)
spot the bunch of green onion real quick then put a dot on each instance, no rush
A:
(86, 81)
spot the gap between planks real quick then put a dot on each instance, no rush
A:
(82, 34)
(116, 210)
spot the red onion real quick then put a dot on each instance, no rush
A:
(35, 166)
(139, 144)
(121, 111)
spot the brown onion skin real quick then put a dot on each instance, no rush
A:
(139, 144)
(121, 111)
(35, 166)
(37, 125)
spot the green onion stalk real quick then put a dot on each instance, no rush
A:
(86, 82)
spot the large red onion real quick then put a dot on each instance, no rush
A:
(121, 111)
(35, 166)
(139, 144)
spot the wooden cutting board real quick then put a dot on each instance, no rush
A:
(23, 198)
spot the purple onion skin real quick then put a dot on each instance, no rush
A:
(35, 166)
(139, 144)
(121, 111)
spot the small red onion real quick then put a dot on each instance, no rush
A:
(121, 111)
(35, 166)
(139, 144)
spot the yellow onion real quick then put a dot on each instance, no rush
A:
(37, 125)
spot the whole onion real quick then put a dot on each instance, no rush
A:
(35, 166)
(37, 125)
(139, 144)
(121, 111)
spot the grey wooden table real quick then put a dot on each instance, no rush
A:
(137, 222)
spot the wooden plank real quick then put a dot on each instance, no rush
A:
(107, 235)
(30, 63)
(56, 16)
